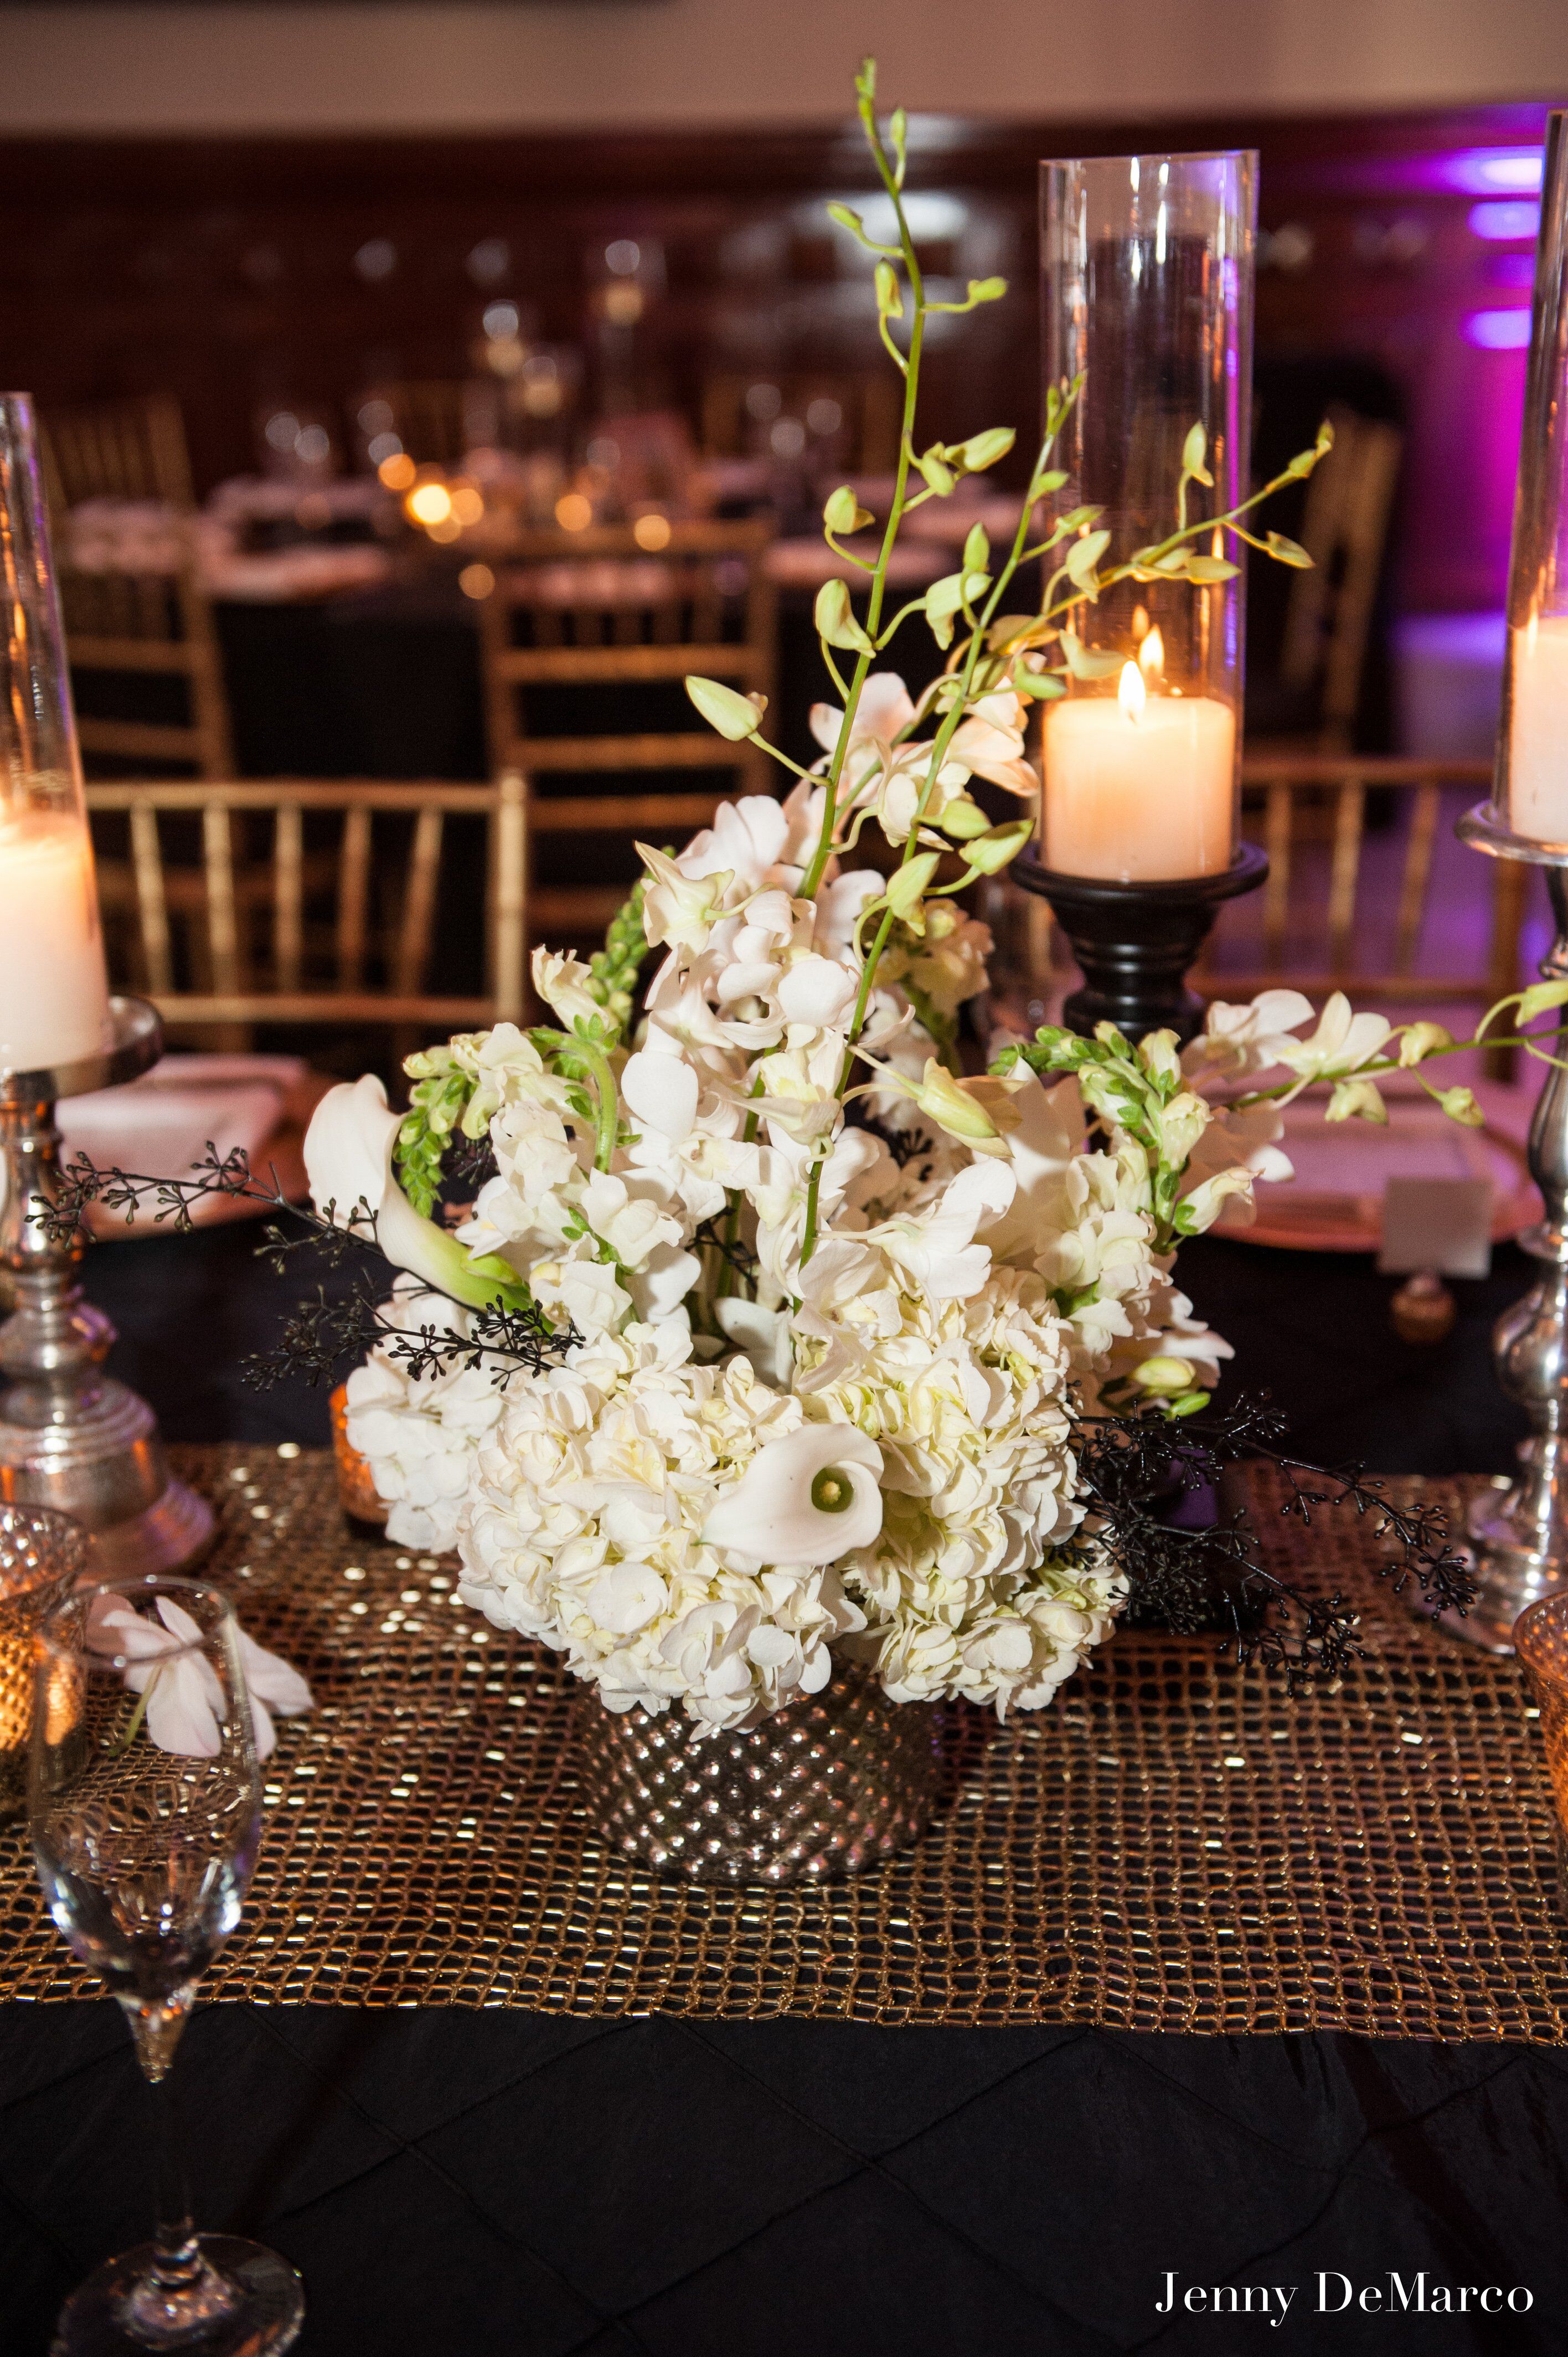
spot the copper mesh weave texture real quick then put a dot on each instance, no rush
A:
(1175, 1845)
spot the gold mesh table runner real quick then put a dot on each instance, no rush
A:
(1177, 1844)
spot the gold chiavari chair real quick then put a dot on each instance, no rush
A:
(1325, 922)
(140, 625)
(117, 450)
(598, 612)
(1345, 529)
(231, 926)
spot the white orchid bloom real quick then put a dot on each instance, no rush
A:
(745, 843)
(1237, 1040)
(1198, 1211)
(563, 983)
(809, 1498)
(185, 1699)
(678, 909)
(839, 904)
(882, 712)
(660, 1087)
(816, 991)
(990, 741)
(937, 1249)
(349, 1163)
(762, 1336)
(1341, 1044)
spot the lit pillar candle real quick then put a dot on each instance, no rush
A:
(1538, 730)
(54, 997)
(1139, 788)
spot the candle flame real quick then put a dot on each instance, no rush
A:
(1131, 693)
(1151, 655)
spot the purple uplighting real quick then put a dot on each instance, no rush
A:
(1505, 219)
(1498, 332)
(1492, 171)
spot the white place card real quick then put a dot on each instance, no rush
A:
(1438, 1224)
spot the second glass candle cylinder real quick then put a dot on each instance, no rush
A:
(1147, 272)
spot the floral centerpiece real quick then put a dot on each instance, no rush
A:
(753, 1335)
(812, 1314)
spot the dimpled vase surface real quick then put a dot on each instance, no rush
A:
(833, 1783)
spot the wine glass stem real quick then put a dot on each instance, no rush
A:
(178, 2261)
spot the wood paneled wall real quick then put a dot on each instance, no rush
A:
(241, 273)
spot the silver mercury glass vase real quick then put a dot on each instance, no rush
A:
(834, 1782)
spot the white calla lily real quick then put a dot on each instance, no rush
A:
(349, 1163)
(809, 1498)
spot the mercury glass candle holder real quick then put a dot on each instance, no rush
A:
(1147, 266)
(71, 1437)
(1519, 1536)
(1530, 798)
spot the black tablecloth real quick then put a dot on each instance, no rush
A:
(467, 2183)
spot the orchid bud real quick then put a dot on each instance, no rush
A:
(1420, 1041)
(1356, 1100)
(1460, 1105)
(992, 851)
(1164, 1375)
(734, 715)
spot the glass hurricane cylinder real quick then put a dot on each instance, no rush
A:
(54, 997)
(1531, 794)
(1147, 271)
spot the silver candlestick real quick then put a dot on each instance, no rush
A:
(71, 1436)
(1520, 1536)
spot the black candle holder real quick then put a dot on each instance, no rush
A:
(1136, 942)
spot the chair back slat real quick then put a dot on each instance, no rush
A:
(288, 896)
(353, 897)
(419, 904)
(1425, 804)
(151, 908)
(222, 930)
(1276, 890)
(509, 868)
(1349, 819)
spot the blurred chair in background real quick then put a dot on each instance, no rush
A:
(852, 419)
(137, 624)
(585, 639)
(438, 420)
(297, 905)
(1349, 508)
(1354, 913)
(1317, 690)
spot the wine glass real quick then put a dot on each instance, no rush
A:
(145, 1804)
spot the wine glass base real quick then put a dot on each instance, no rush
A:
(263, 2318)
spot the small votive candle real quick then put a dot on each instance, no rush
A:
(1139, 788)
(42, 1555)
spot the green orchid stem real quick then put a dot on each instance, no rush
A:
(810, 882)
(596, 1064)
(939, 744)
(133, 1723)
